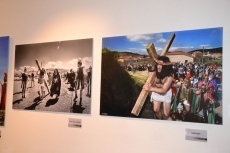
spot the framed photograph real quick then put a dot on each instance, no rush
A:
(4, 59)
(54, 76)
(174, 76)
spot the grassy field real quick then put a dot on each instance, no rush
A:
(140, 77)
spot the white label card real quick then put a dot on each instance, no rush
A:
(75, 123)
(196, 135)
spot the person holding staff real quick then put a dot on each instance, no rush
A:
(24, 82)
(79, 80)
(89, 81)
(32, 79)
(161, 88)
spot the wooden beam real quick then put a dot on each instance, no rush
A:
(143, 95)
(169, 43)
(151, 50)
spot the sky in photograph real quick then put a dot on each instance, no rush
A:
(184, 41)
(59, 54)
(4, 56)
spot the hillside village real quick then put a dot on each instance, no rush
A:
(175, 56)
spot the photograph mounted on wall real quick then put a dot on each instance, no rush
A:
(173, 76)
(54, 76)
(4, 58)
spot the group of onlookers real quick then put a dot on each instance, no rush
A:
(198, 93)
(189, 91)
(46, 79)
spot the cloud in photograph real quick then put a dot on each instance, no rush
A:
(205, 45)
(71, 64)
(138, 38)
(161, 41)
(184, 41)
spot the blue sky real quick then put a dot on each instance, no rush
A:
(4, 54)
(184, 41)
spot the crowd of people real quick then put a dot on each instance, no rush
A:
(50, 83)
(188, 91)
(138, 67)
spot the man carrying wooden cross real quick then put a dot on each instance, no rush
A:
(42, 83)
(158, 82)
(161, 88)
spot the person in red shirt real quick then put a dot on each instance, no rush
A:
(3, 97)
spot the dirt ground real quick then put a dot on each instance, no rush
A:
(64, 103)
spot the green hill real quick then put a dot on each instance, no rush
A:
(121, 54)
(212, 50)
(118, 90)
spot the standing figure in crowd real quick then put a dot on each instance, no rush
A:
(3, 94)
(42, 83)
(49, 81)
(175, 72)
(55, 85)
(196, 71)
(207, 70)
(149, 68)
(212, 98)
(24, 82)
(201, 72)
(213, 88)
(67, 77)
(181, 72)
(71, 78)
(203, 82)
(89, 81)
(203, 101)
(207, 101)
(79, 80)
(161, 88)
(188, 98)
(32, 79)
(188, 74)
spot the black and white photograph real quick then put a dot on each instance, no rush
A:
(173, 76)
(54, 76)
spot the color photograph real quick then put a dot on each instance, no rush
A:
(173, 76)
(4, 58)
(54, 76)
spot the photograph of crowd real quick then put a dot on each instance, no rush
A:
(53, 76)
(173, 76)
(4, 58)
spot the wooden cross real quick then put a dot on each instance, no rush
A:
(152, 75)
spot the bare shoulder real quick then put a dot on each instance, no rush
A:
(168, 79)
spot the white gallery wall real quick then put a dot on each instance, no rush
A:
(35, 21)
